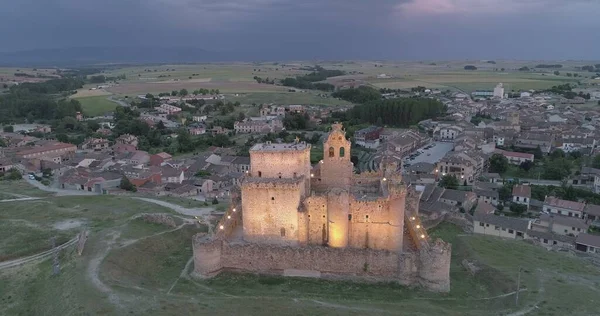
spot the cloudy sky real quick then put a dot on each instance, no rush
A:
(372, 29)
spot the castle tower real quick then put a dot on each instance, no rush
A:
(336, 168)
(278, 181)
(393, 185)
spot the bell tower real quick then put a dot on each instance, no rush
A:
(336, 167)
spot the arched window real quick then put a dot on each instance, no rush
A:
(331, 152)
(342, 151)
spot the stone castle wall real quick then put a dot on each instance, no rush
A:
(270, 211)
(427, 269)
(287, 164)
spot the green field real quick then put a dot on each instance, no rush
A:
(133, 267)
(95, 106)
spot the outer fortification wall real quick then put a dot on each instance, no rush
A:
(214, 256)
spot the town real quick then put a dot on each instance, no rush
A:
(363, 191)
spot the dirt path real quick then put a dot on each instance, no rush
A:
(203, 211)
(21, 199)
(93, 269)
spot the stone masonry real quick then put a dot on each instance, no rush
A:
(324, 220)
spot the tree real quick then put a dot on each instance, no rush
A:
(127, 185)
(174, 93)
(449, 181)
(13, 174)
(184, 141)
(149, 96)
(518, 208)
(538, 154)
(557, 153)
(470, 67)
(8, 129)
(215, 200)
(241, 116)
(498, 163)
(183, 92)
(501, 69)
(505, 192)
(526, 165)
(160, 125)
(557, 73)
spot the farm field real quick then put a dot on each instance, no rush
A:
(130, 266)
(98, 105)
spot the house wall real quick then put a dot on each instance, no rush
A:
(566, 230)
(492, 230)
(562, 211)
(521, 200)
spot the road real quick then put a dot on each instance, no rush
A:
(119, 102)
(59, 192)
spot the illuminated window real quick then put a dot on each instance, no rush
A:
(331, 152)
(342, 151)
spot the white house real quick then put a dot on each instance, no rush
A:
(521, 194)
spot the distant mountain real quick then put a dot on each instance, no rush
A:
(118, 55)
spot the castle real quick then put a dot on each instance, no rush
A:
(295, 219)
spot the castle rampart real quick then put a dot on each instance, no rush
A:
(324, 221)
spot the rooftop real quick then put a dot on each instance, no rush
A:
(275, 147)
(571, 205)
(588, 240)
(522, 190)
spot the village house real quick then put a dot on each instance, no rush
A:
(592, 212)
(521, 194)
(368, 137)
(137, 157)
(95, 144)
(563, 207)
(199, 118)
(54, 151)
(561, 225)
(449, 133)
(486, 196)
(461, 199)
(588, 243)
(258, 126)
(127, 139)
(466, 167)
(196, 129)
(171, 175)
(515, 158)
(159, 159)
(501, 226)
(272, 110)
(593, 177)
(534, 140)
(168, 109)
(5, 165)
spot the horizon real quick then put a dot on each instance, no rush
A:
(288, 30)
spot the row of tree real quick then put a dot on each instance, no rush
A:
(359, 95)
(397, 112)
(310, 81)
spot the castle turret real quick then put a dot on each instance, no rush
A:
(336, 167)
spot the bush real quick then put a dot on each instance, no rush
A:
(215, 201)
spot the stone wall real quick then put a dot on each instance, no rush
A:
(429, 269)
(270, 211)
